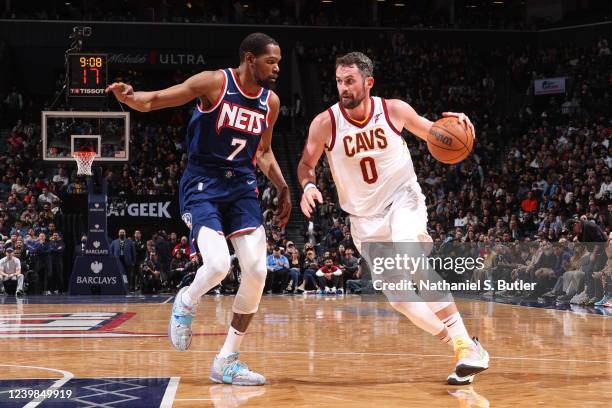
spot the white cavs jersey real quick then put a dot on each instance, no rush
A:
(369, 161)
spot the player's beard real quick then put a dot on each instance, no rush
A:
(353, 102)
(268, 82)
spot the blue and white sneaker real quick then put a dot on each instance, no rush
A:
(230, 370)
(604, 300)
(179, 327)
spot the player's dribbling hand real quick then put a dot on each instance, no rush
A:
(120, 90)
(462, 117)
(283, 210)
(308, 200)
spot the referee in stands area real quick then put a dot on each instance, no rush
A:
(10, 269)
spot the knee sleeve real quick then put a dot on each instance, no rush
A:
(215, 263)
(251, 253)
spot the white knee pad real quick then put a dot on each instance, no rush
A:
(215, 254)
(251, 252)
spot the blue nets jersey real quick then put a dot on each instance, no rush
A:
(226, 136)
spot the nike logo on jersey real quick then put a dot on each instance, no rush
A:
(240, 118)
(250, 182)
(364, 141)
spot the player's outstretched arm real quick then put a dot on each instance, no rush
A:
(404, 116)
(205, 84)
(269, 166)
(318, 134)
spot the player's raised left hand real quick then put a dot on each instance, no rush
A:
(283, 208)
(463, 119)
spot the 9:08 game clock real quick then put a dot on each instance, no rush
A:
(88, 75)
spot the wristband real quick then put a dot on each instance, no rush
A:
(309, 185)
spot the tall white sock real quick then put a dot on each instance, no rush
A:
(232, 342)
(456, 328)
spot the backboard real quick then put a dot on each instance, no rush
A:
(106, 133)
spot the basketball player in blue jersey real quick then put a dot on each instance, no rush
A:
(230, 131)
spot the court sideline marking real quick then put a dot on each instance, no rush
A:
(170, 393)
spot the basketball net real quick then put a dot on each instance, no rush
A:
(84, 161)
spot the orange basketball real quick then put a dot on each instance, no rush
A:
(448, 141)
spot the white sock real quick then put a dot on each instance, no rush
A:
(456, 328)
(187, 300)
(232, 342)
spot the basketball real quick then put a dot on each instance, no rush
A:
(448, 141)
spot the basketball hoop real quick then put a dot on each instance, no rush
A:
(84, 161)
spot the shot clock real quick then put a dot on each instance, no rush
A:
(88, 75)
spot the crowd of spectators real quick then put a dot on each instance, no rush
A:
(393, 13)
(534, 167)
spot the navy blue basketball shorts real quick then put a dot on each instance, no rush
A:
(226, 205)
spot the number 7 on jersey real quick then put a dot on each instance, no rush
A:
(241, 143)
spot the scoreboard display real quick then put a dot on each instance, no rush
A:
(88, 75)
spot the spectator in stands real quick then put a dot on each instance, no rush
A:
(60, 179)
(10, 269)
(163, 250)
(56, 254)
(177, 268)
(596, 239)
(278, 270)
(30, 216)
(309, 268)
(182, 246)
(349, 265)
(329, 276)
(140, 249)
(529, 204)
(295, 266)
(123, 249)
(39, 256)
(151, 271)
(48, 197)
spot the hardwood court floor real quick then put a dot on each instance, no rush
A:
(315, 352)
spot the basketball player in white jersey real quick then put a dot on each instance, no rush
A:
(373, 173)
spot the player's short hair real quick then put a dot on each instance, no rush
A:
(360, 60)
(256, 44)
